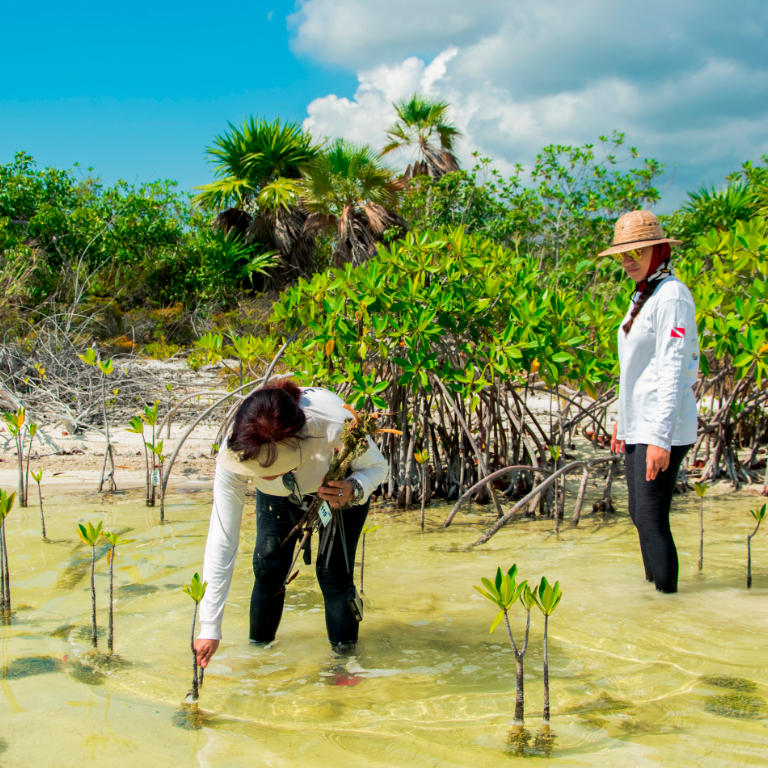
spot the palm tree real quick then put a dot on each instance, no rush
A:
(255, 192)
(422, 125)
(347, 189)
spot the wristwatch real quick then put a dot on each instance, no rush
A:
(357, 490)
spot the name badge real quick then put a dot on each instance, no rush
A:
(325, 513)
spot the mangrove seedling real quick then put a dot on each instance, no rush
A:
(701, 489)
(15, 423)
(91, 536)
(759, 515)
(157, 450)
(114, 541)
(37, 477)
(422, 458)
(6, 504)
(547, 597)
(366, 529)
(504, 592)
(150, 416)
(106, 368)
(196, 590)
(137, 427)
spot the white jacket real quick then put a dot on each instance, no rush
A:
(659, 360)
(325, 421)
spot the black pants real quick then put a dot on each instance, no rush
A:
(649, 504)
(275, 517)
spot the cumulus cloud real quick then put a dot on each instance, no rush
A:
(687, 82)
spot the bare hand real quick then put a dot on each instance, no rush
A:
(205, 649)
(656, 460)
(337, 492)
(617, 446)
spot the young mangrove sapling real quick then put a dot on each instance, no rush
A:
(366, 529)
(114, 541)
(6, 504)
(37, 477)
(15, 423)
(422, 458)
(91, 536)
(151, 417)
(157, 450)
(137, 427)
(504, 592)
(547, 597)
(759, 515)
(196, 590)
(106, 368)
(701, 489)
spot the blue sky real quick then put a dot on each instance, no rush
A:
(137, 91)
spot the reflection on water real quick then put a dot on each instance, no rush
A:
(637, 678)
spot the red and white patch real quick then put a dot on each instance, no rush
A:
(678, 333)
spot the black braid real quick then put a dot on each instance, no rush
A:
(641, 299)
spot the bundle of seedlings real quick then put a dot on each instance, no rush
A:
(354, 443)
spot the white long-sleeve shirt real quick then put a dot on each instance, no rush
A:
(659, 360)
(325, 421)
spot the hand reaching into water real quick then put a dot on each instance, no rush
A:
(617, 446)
(205, 650)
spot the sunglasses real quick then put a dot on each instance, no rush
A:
(635, 253)
(290, 484)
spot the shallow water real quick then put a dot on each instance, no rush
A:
(428, 687)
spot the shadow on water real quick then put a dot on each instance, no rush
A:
(191, 718)
(28, 666)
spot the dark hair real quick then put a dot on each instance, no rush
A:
(661, 254)
(269, 416)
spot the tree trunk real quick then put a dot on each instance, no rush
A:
(195, 690)
(94, 638)
(3, 596)
(580, 497)
(162, 494)
(749, 558)
(519, 683)
(409, 459)
(20, 455)
(546, 671)
(110, 639)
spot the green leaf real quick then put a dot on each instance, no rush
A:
(495, 623)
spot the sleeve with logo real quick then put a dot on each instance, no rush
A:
(675, 326)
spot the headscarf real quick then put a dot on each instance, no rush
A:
(658, 270)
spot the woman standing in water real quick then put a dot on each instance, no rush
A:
(283, 440)
(659, 361)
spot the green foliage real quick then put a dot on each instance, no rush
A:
(195, 589)
(759, 514)
(701, 489)
(137, 425)
(90, 535)
(442, 304)
(248, 158)
(6, 503)
(422, 125)
(503, 592)
(547, 596)
(348, 190)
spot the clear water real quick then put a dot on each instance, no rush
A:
(428, 687)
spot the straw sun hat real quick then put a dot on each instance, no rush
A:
(637, 229)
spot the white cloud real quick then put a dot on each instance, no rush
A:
(687, 82)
